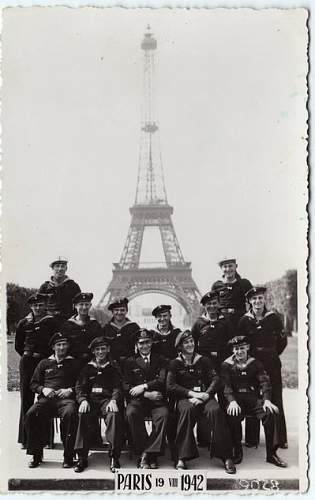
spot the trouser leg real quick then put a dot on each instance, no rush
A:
(156, 440)
(185, 442)
(276, 398)
(221, 443)
(270, 423)
(114, 429)
(235, 426)
(82, 441)
(27, 367)
(67, 411)
(36, 425)
(252, 431)
(171, 428)
(135, 415)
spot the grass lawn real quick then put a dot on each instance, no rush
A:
(289, 361)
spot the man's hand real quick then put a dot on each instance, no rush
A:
(194, 394)
(112, 406)
(137, 390)
(48, 392)
(195, 401)
(64, 393)
(204, 396)
(233, 409)
(269, 406)
(84, 407)
(153, 395)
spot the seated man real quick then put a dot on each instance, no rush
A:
(193, 382)
(98, 392)
(244, 380)
(144, 377)
(54, 380)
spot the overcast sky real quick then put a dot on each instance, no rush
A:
(231, 99)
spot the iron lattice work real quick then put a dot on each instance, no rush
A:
(130, 276)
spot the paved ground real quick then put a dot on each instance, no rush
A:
(253, 466)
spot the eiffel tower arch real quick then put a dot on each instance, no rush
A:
(132, 276)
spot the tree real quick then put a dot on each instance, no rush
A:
(17, 306)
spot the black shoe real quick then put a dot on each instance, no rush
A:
(153, 462)
(237, 454)
(284, 446)
(144, 462)
(275, 460)
(81, 465)
(35, 462)
(251, 445)
(68, 463)
(114, 464)
(181, 465)
(229, 466)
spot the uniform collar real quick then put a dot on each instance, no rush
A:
(232, 361)
(196, 358)
(56, 284)
(53, 358)
(127, 322)
(93, 363)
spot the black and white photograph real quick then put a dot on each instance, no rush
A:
(155, 192)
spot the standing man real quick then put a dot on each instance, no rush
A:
(98, 393)
(81, 329)
(164, 344)
(54, 380)
(145, 378)
(193, 382)
(231, 290)
(166, 333)
(268, 340)
(32, 338)
(212, 331)
(248, 392)
(61, 290)
(120, 331)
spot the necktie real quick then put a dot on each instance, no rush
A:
(146, 360)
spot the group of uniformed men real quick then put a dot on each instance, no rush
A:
(226, 368)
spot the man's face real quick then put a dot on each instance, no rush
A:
(229, 270)
(61, 348)
(164, 318)
(188, 346)
(59, 269)
(38, 309)
(212, 306)
(101, 353)
(144, 347)
(83, 308)
(258, 302)
(120, 313)
(241, 352)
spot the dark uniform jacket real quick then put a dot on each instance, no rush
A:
(232, 295)
(32, 336)
(249, 379)
(137, 372)
(211, 337)
(49, 373)
(61, 295)
(165, 344)
(122, 339)
(200, 376)
(98, 383)
(267, 338)
(80, 336)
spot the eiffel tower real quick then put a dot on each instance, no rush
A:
(131, 277)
